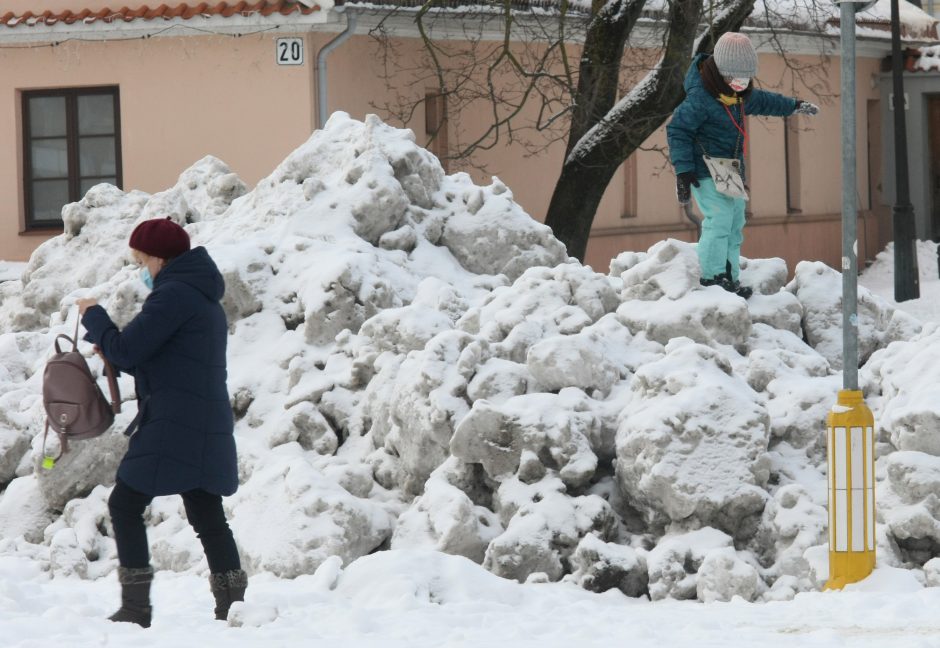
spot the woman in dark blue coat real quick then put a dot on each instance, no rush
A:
(181, 441)
(719, 94)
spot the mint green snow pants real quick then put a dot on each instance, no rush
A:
(722, 230)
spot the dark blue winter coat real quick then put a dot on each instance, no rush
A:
(175, 349)
(701, 123)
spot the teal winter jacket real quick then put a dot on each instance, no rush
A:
(701, 123)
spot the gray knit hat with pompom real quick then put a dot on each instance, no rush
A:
(735, 56)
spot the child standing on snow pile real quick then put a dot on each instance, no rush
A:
(707, 143)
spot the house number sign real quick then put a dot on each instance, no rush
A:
(290, 51)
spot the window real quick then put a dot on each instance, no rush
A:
(71, 140)
(435, 124)
(630, 187)
(791, 142)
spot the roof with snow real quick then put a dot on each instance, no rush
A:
(926, 59)
(915, 22)
(791, 15)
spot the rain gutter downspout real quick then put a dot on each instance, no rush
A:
(341, 38)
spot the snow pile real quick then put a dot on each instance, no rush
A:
(692, 442)
(820, 286)
(414, 363)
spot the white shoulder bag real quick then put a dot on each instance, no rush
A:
(726, 172)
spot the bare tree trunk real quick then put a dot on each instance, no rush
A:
(599, 70)
(603, 135)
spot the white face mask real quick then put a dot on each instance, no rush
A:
(739, 84)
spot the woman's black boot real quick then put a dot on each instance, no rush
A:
(227, 587)
(135, 596)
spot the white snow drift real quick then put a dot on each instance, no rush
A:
(414, 362)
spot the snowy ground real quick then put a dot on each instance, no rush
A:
(426, 599)
(879, 278)
(442, 407)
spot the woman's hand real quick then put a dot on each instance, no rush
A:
(85, 304)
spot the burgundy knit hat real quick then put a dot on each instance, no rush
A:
(161, 238)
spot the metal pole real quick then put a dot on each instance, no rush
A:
(849, 207)
(906, 279)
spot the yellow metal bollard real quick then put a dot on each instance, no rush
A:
(851, 454)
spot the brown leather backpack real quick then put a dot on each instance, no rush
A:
(76, 408)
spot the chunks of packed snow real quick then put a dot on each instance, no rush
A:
(792, 523)
(909, 504)
(675, 560)
(692, 442)
(86, 464)
(671, 269)
(819, 289)
(468, 234)
(435, 308)
(906, 374)
(779, 310)
(444, 518)
(799, 386)
(572, 361)
(426, 401)
(543, 528)
(23, 511)
(90, 525)
(932, 572)
(543, 301)
(531, 434)
(724, 575)
(14, 444)
(706, 315)
(600, 566)
(289, 518)
(765, 276)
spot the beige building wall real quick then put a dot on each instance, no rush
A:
(180, 98)
(186, 97)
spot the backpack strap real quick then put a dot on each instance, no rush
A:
(73, 339)
(113, 388)
(49, 462)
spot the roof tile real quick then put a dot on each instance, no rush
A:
(144, 12)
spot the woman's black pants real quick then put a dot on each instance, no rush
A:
(205, 514)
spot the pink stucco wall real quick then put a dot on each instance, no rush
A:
(186, 97)
(181, 99)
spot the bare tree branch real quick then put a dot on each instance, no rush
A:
(515, 64)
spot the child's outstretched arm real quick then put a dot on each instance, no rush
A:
(762, 102)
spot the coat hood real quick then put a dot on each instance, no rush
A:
(693, 78)
(197, 269)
